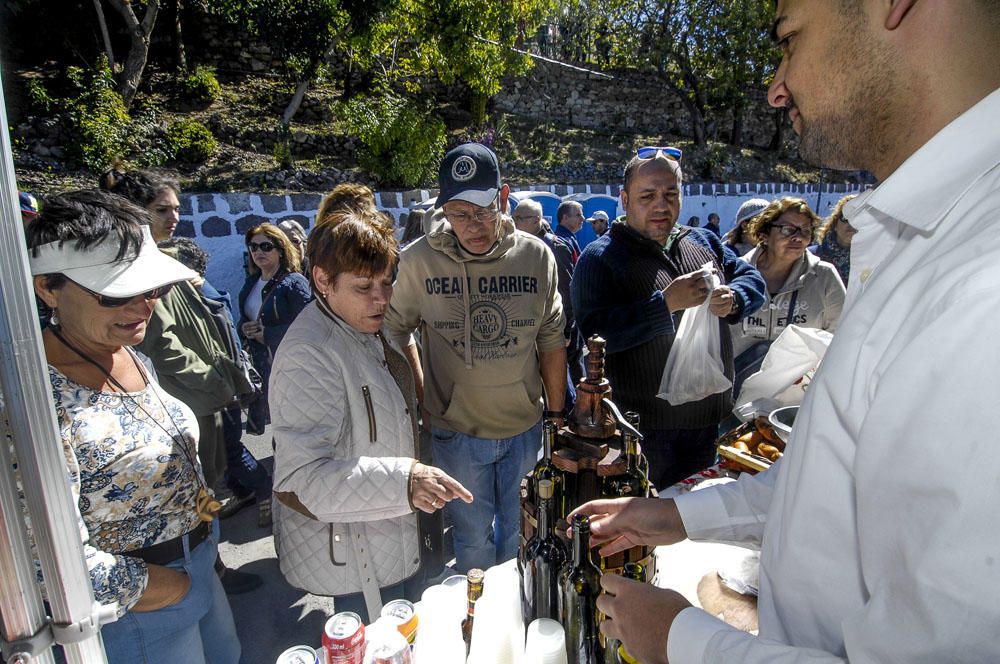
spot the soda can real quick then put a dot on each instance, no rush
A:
(344, 639)
(402, 613)
(298, 655)
(391, 648)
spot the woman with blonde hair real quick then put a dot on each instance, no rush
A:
(835, 239)
(272, 296)
(801, 289)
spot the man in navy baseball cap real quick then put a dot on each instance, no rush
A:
(470, 173)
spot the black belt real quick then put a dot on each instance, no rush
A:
(165, 552)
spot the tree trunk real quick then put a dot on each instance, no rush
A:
(739, 110)
(135, 63)
(296, 102)
(104, 34)
(778, 137)
(180, 57)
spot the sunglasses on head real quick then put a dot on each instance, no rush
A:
(651, 152)
(114, 302)
(266, 247)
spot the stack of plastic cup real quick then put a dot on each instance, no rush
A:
(545, 644)
(439, 630)
(498, 633)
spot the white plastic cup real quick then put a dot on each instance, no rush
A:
(545, 643)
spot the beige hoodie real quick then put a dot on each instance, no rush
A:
(482, 321)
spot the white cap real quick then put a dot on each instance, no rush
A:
(98, 269)
(751, 209)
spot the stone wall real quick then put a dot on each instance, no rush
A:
(218, 222)
(620, 100)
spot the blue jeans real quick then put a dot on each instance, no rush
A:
(198, 629)
(244, 474)
(486, 531)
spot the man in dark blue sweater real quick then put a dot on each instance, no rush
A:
(632, 285)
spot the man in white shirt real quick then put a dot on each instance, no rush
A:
(878, 528)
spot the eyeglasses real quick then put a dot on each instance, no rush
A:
(651, 152)
(266, 247)
(787, 230)
(464, 219)
(115, 302)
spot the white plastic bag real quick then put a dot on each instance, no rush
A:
(694, 367)
(785, 372)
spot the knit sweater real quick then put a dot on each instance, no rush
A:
(618, 293)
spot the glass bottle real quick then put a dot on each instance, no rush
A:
(636, 572)
(633, 481)
(474, 585)
(580, 585)
(546, 470)
(545, 555)
(632, 418)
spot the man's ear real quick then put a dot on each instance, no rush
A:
(897, 12)
(624, 197)
(504, 194)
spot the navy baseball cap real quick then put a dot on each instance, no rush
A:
(469, 173)
(29, 205)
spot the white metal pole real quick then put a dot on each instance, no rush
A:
(31, 414)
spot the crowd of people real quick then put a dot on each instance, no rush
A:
(345, 348)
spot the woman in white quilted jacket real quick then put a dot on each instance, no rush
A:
(347, 480)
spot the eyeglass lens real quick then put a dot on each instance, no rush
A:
(788, 230)
(261, 246)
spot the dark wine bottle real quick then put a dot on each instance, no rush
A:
(632, 418)
(545, 554)
(546, 470)
(580, 585)
(633, 481)
(474, 590)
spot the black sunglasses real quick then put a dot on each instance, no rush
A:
(266, 247)
(114, 302)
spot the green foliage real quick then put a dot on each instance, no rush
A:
(402, 143)
(282, 152)
(192, 141)
(712, 53)
(91, 112)
(201, 85)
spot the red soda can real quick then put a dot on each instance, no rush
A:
(344, 639)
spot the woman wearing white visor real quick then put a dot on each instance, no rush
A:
(145, 514)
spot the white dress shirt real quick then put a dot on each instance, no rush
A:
(880, 527)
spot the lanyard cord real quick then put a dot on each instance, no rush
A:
(178, 437)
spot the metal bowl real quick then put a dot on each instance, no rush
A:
(782, 420)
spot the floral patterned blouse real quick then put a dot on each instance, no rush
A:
(135, 484)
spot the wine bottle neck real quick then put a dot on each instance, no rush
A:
(544, 509)
(581, 545)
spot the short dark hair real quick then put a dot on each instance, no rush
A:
(140, 187)
(87, 217)
(564, 208)
(353, 241)
(186, 251)
(713, 217)
(635, 162)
